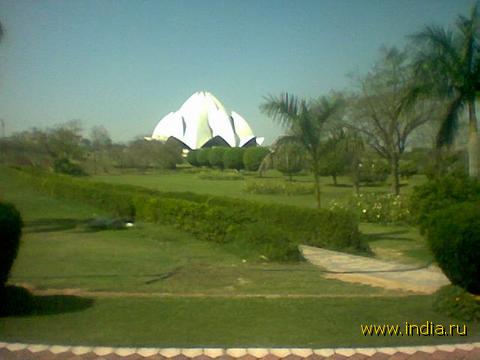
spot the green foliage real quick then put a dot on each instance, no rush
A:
(334, 164)
(233, 158)
(377, 207)
(440, 193)
(215, 157)
(224, 175)
(271, 243)
(408, 168)
(453, 234)
(65, 166)
(455, 302)
(253, 157)
(207, 217)
(286, 188)
(289, 159)
(202, 157)
(373, 171)
(10, 231)
(192, 158)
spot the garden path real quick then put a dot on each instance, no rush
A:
(370, 271)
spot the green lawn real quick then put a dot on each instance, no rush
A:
(207, 322)
(58, 251)
(182, 180)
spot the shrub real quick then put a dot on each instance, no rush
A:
(440, 193)
(210, 175)
(233, 158)
(408, 168)
(455, 302)
(65, 166)
(253, 157)
(373, 171)
(376, 207)
(10, 230)
(192, 158)
(202, 157)
(215, 157)
(269, 242)
(453, 234)
(270, 188)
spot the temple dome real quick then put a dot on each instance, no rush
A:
(203, 121)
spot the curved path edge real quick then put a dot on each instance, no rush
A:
(41, 351)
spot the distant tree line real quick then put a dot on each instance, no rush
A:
(64, 149)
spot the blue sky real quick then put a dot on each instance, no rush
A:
(126, 64)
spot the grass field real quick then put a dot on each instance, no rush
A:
(186, 181)
(58, 251)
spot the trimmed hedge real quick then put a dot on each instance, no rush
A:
(10, 231)
(253, 157)
(207, 217)
(454, 237)
(215, 157)
(441, 193)
(233, 158)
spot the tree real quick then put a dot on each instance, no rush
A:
(448, 65)
(253, 157)
(304, 122)
(383, 110)
(289, 158)
(335, 160)
(100, 145)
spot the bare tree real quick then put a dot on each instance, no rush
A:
(383, 110)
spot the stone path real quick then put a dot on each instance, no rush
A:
(18, 351)
(370, 271)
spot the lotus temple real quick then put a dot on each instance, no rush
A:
(202, 121)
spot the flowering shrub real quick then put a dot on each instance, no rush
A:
(285, 188)
(376, 207)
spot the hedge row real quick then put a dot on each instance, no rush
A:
(228, 158)
(208, 217)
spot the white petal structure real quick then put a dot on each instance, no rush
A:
(202, 120)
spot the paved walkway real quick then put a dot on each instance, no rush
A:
(17, 351)
(369, 271)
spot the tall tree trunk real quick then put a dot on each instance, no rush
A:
(317, 189)
(395, 174)
(473, 148)
(334, 177)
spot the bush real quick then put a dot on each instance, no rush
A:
(233, 158)
(373, 171)
(253, 157)
(202, 157)
(270, 188)
(408, 168)
(192, 158)
(376, 207)
(10, 230)
(269, 242)
(65, 166)
(215, 157)
(210, 175)
(453, 234)
(442, 193)
(455, 302)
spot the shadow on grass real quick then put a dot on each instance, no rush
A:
(17, 301)
(51, 225)
(389, 235)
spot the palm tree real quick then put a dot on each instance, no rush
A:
(448, 64)
(304, 122)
